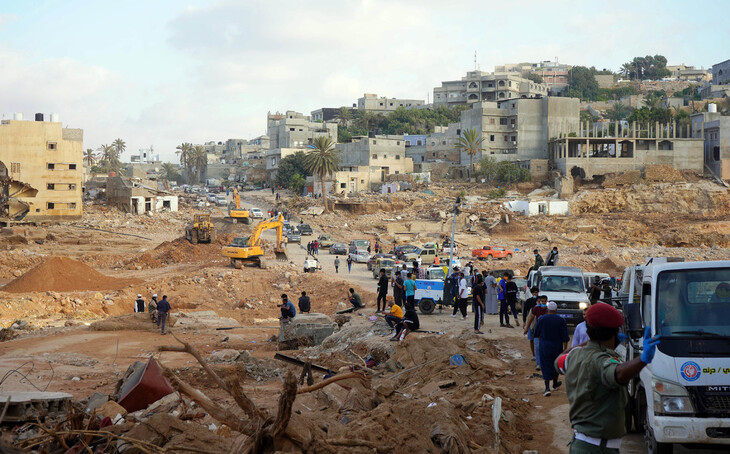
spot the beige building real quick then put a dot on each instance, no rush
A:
(479, 86)
(139, 196)
(371, 103)
(290, 132)
(41, 170)
(367, 161)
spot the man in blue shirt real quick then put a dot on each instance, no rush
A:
(410, 286)
(163, 307)
(288, 311)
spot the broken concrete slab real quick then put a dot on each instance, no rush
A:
(33, 405)
(314, 326)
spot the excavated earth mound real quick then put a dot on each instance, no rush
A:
(63, 274)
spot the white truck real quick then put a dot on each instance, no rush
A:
(565, 286)
(683, 396)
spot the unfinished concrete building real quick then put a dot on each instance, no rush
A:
(138, 196)
(714, 129)
(479, 86)
(618, 148)
(367, 161)
(41, 170)
(372, 103)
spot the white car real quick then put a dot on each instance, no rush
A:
(221, 200)
(256, 213)
(360, 256)
(210, 197)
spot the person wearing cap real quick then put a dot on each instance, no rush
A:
(552, 331)
(139, 304)
(595, 381)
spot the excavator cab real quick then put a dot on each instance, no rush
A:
(249, 250)
(236, 212)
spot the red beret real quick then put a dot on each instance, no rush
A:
(602, 315)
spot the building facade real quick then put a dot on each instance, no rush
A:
(331, 113)
(367, 161)
(721, 73)
(41, 170)
(372, 103)
(714, 130)
(295, 130)
(479, 86)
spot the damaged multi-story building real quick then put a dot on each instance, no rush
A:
(41, 170)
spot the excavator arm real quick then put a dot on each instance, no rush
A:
(273, 223)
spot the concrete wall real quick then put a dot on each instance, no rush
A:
(27, 149)
(721, 73)
(372, 103)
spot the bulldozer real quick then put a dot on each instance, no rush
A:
(235, 212)
(201, 230)
(248, 250)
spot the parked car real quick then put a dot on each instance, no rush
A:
(293, 236)
(220, 200)
(338, 249)
(325, 240)
(492, 252)
(359, 244)
(360, 256)
(406, 252)
(383, 263)
(210, 197)
(305, 229)
(256, 213)
(427, 256)
(374, 257)
(446, 247)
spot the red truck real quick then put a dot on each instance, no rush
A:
(492, 252)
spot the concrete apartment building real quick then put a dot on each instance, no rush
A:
(372, 103)
(41, 170)
(479, 86)
(367, 161)
(714, 130)
(596, 151)
(554, 74)
(686, 72)
(721, 73)
(331, 113)
(291, 132)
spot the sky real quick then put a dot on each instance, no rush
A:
(162, 72)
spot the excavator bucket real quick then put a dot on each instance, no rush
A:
(281, 254)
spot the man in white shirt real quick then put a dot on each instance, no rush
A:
(463, 295)
(580, 335)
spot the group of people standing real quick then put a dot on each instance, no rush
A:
(313, 247)
(158, 310)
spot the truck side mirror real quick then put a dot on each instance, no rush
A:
(632, 312)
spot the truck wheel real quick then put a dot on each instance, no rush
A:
(426, 306)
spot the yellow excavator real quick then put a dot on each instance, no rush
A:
(235, 212)
(248, 250)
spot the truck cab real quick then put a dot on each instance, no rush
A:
(563, 285)
(683, 395)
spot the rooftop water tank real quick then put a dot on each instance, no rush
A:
(18, 116)
(39, 117)
(712, 107)
(55, 118)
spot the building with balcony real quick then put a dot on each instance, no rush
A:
(41, 170)
(479, 86)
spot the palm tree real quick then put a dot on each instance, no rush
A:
(169, 171)
(199, 161)
(109, 158)
(120, 146)
(89, 157)
(321, 161)
(471, 142)
(344, 116)
(619, 111)
(185, 150)
(627, 70)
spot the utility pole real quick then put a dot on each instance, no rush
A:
(453, 232)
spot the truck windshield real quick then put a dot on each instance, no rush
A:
(694, 303)
(436, 273)
(571, 284)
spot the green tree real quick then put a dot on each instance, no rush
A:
(535, 77)
(487, 169)
(169, 172)
(619, 111)
(296, 183)
(120, 146)
(110, 158)
(199, 161)
(582, 83)
(470, 141)
(649, 67)
(344, 116)
(89, 157)
(587, 117)
(294, 164)
(185, 151)
(322, 161)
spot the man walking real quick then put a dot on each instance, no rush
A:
(152, 308)
(462, 296)
(337, 264)
(163, 308)
(511, 292)
(382, 289)
(492, 303)
(139, 304)
(478, 303)
(595, 381)
(503, 307)
(552, 331)
(398, 290)
(537, 311)
(349, 264)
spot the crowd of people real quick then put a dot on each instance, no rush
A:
(157, 310)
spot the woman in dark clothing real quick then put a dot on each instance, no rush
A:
(552, 331)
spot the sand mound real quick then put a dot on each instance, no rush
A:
(130, 322)
(180, 250)
(63, 274)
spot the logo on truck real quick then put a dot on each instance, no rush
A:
(690, 371)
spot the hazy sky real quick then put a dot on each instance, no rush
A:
(162, 72)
